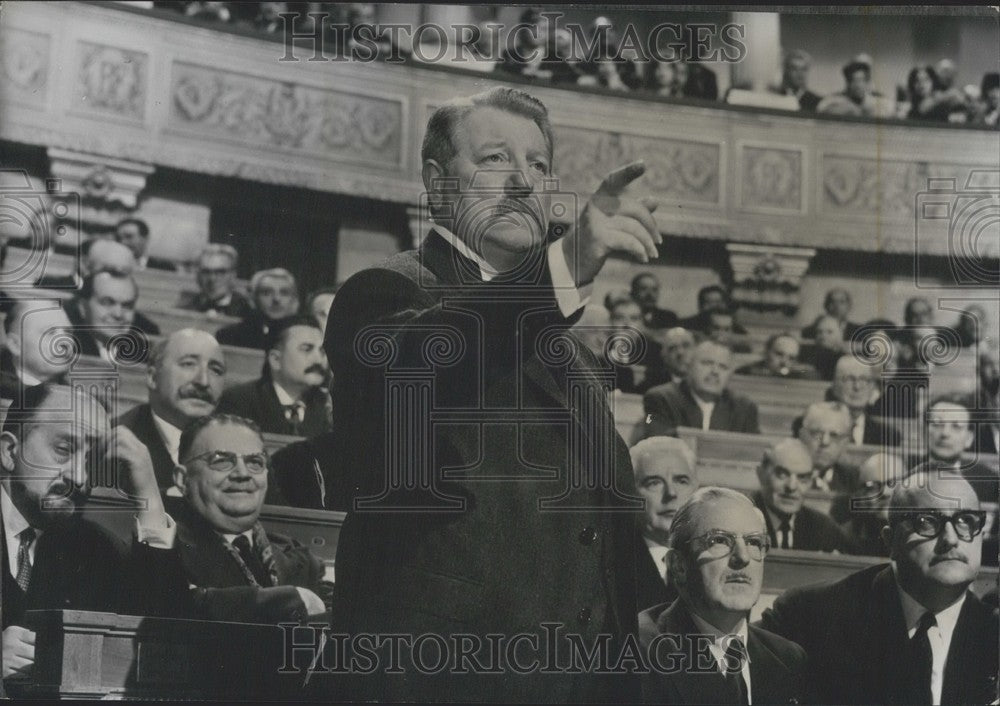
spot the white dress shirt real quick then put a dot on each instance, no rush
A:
(659, 554)
(776, 523)
(939, 635)
(858, 430)
(286, 400)
(170, 434)
(569, 297)
(13, 524)
(721, 642)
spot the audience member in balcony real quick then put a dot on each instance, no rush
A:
(558, 64)
(785, 473)
(216, 276)
(927, 103)
(275, 296)
(795, 79)
(838, 304)
(862, 524)
(856, 100)
(133, 233)
(646, 292)
(30, 327)
(290, 397)
(663, 80)
(635, 373)
(267, 19)
(522, 55)
(318, 305)
(209, 11)
(781, 353)
(104, 308)
(908, 615)
(665, 476)
(826, 432)
(986, 112)
(827, 348)
(700, 83)
(52, 558)
(914, 338)
(185, 375)
(710, 298)
(678, 347)
(702, 400)
(239, 572)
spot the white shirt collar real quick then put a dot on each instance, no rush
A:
(13, 524)
(486, 271)
(283, 397)
(706, 410)
(170, 434)
(946, 619)
(858, 430)
(776, 520)
(28, 379)
(659, 554)
(246, 533)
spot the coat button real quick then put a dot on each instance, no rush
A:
(583, 617)
(587, 536)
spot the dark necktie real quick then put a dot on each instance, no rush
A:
(251, 560)
(26, 537)
(786, 529)
(293, 413)
(922, 659)
(736, 655)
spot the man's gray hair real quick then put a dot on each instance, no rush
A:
(656, 446)
(275, 272)
(682, 528)
(798, 54)
(220, 249)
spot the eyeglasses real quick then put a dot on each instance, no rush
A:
(718, 544)
(818, 434)
(929, 524)
(225, 461)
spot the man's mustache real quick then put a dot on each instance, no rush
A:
(950, 556)
(315, 368)
(198, 392)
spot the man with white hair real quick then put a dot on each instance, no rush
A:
(665, 476)
(276, 296)
(216, 275)
(856, 384)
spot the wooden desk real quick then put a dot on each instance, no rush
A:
(750, 448)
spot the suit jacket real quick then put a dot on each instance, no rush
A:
(876, 432)
(80, 566)
(672, 405)
(248, 333)
(88, 344)
(855, 635)
(139, 420)
(777, 665)
(658, 318)
(223, 592)
(258, 401)
(418, 571)
(308, 475)
(798, 371)
(238, 306)
(651, 589)
(812, 530)
(822, 359)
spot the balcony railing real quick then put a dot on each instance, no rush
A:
(145, 87)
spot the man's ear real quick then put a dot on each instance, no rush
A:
(273, 358)
(150, 377)
(431, 172)
(180, 478)
(8, 451)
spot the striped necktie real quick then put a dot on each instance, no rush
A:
(27, 536)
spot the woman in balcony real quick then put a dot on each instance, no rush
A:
(926, 103)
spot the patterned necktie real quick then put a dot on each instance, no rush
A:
(251, 560)
(736, 655)
(27, 536)
(786, 529)
(923, 659)
(294, 413)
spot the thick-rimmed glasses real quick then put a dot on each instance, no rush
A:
(225, 461)
(718, 544)
(930, 524)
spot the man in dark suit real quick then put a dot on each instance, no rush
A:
(646, 292)
(50, 557)
(308, 473)
(837, 304)
(104, 308)
(866, 508)
(28, 326)
(185, 375)
(290, 397)
(216, 276)
(678, 348)
(240, 572)
(634, 373)
(276, 296)
(825, 430)
(927, 638)
(711, 298)
(855, 383)
(485, 279)
(700, 647)
(702, 400)
(665, 476)
(133, 233)
(784, 474)
(794, 77)
(781, 353)
(827, 348)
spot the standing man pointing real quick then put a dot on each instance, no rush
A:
(522, 514)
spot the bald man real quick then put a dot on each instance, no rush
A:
(785, 473)
(665, 476)
(184, 378)
(910, 631)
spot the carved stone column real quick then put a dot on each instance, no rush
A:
(108, 188)
(768, 277)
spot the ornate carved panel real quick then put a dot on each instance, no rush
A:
(260, 111)
(679, 170)
(860, 187)
(111, 81)
(24, 67)
(771, 179)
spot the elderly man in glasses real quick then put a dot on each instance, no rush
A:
(264, 577)
(700, 647)
(909, 631)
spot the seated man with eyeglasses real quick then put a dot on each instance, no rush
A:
(910, 631)
(700, 648)
(238, 572)
(866, 508)
(826, 432)
(785, 473)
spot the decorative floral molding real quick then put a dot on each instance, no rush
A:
(767, 278)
